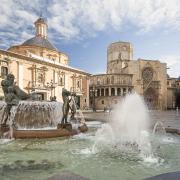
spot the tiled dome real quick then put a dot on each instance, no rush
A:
(39, 41)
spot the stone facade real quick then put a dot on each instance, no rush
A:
(38, 66)
(173, 93)
(124, 75)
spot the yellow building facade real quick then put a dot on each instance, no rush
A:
(39, 67)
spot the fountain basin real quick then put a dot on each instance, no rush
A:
(36, 119)
(48, 133)
(172, 130)
(41, 133)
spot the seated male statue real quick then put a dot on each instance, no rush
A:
(12, 95)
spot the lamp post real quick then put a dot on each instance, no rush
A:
(51, 85)
(93, 94)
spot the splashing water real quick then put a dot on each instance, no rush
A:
(34, 114)
(159, 128)
(128, 128)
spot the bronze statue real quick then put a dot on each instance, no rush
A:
(72, 108)
(66, 105)
(12, 94)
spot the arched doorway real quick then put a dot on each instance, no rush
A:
(177, 96)
(151, 98)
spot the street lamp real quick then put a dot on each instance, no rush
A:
(93, 94)
(51, 85)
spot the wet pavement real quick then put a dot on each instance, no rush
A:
(170, 119)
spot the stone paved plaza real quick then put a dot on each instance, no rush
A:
(170, 119)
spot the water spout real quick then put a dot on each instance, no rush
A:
(128, 127)
(159, 128)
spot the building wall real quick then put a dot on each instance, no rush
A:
(173, 87)
(47, 78)
(107, 89)
(40, 51)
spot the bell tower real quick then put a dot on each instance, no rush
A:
(41, 28)
(118, 55)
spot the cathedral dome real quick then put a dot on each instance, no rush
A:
(39, 41)
(40, 38)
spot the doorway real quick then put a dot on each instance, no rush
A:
(151, 98)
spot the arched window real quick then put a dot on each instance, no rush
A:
(4, 71)
(118, 91)
(124, 91)
(112, 92)
(78, 84)
(61, 79)
(107, 92)
(102, 92)
(98, 92)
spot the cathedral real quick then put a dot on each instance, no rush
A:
(124, 75)
(39, 67)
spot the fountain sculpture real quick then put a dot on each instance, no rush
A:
(23, 116)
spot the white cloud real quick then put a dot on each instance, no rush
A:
(83, 16)
(77, 19)
(173, 64)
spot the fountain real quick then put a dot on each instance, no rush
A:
(23, 117)
(128, 126)
(123, 148)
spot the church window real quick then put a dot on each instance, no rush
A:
(107, 92)
(102, 101)
(98, 92)
(40, 77)
(4, 71)
(124, 91)
(112, 92)
(118, 91)
(102, 92)
(147, 74)
(78, 84)
(61, 79)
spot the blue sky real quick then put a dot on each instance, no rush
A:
(84, 28)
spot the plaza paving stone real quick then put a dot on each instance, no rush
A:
(170, 119)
